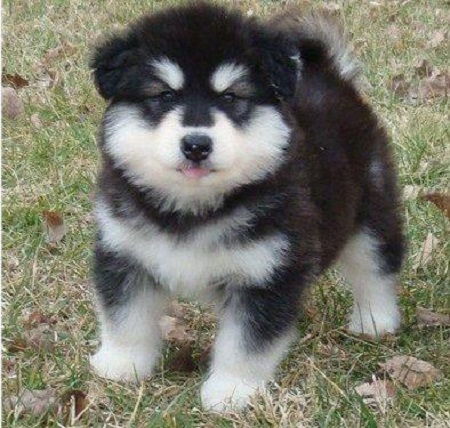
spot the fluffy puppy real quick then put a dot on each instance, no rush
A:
(239, 162)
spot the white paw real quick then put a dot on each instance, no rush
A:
(127, 364)
(221, 393)
(374, 322)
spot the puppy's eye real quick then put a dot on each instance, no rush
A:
(167, 96)
(228, 97)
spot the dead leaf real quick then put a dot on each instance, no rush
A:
(435, 86)
(12, 105)
(36, 121)
(14, 80)
(54, 226)
(428, 318)
(425, 254)
(441, 200)
(377, 392)
(174, 329)
(74, 403)
(35, 318)
(48, 78)
(399, 85)
(437, 38)
(17, 345)
(32, 402)
(423, 68)
(183, 361)
(65, 48)
(410, 371)
(330, 350)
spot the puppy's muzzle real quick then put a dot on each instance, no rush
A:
(196, 147)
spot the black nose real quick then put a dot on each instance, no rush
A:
(196, 147)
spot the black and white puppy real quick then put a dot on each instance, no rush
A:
(239, 162)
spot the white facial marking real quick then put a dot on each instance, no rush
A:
(130, 342)
(237, 374)
(189, 268)
(169, 72)
(226, 75)
(151, 156)
(375, 310)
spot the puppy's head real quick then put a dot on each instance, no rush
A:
(195, 99)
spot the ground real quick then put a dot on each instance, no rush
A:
(49, 163)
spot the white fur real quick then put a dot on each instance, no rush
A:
(375, 310)
(327, 29)
(130, 339)
(187, 267)
(226, 75)
(169, 72)
(237, 375)
(152, 157)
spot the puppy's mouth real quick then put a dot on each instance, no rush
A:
(195, 170)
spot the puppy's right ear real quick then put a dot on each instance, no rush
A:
(115, 65)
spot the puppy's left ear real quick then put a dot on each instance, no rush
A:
(280, 62)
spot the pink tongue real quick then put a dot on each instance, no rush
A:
(196, 172)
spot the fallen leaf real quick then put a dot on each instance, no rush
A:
(441, 200)
(12, 105)
(399, 85)
(35, 318)
(17, 345)
(377, 392)
(74, 403)
(331, 350)
(437, 38)
(183, 361)
(423, 68)
(428, 318)
(410, 371)
(48, 79)
(36, 121)
(32, 402)
(14, 80)
(65, 48)
(54, 226)
(174, 329)
(435, 86)
(425, 254)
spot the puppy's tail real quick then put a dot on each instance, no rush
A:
(320, 36)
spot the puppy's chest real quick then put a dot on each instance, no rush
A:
(191, 265)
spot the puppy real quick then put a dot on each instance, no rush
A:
(239, 162)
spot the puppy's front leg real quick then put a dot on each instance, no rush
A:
(255, 330)
(129, 307)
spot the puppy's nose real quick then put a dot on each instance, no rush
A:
(196, 147)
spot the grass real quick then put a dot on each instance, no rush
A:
(54, 167)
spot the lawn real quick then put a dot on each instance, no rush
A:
(49, 164)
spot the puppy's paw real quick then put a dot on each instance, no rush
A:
(117, 363)
(374, 323)
(222, 393)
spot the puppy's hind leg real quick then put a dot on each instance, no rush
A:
(371, 267)
(129, 308)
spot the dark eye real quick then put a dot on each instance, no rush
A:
(167, 96)
(228, 97)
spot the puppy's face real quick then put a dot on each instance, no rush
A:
(193, 116)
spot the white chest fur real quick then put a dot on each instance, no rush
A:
(189, 266)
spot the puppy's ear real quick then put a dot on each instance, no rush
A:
(280, 62)
(114, 64)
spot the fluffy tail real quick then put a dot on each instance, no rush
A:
(318, 34)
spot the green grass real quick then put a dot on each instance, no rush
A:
(54, 167)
